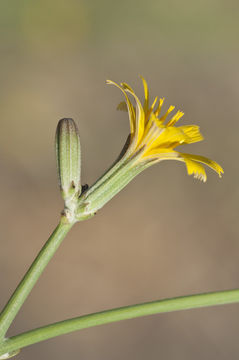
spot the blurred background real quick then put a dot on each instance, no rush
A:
(165, 234)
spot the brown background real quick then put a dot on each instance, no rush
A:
(164, 235)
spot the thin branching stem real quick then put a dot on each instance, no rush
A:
(32, 275)
(114, 315)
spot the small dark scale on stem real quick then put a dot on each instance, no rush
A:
(84, 188)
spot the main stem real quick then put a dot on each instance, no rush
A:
(20, 294)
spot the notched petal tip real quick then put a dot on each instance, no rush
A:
(194, 164)
(126, 87)
(192, 133)
(220, 173)
(170, 109)
(179, 114)
(111, 82)
(195, 169)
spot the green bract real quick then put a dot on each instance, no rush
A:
(68, 156)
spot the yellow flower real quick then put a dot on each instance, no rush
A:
(155, 137)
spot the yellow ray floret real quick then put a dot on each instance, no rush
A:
(156, 138)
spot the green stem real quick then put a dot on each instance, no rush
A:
(20, 294)
(123, 313)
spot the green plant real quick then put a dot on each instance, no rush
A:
(151, 140)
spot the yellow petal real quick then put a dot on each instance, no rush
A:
(140, 115)
(161, 101)
(195, 169)
(153, 105)
(170, 138)
(126, 86)
(212, 164)
(131, 111)
(150, 115)
(175, 118)
(161, 154)
(192, 134)
(146, 94)
(170, 109)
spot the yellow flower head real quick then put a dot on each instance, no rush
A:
(156, 137)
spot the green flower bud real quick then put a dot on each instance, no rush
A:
(68, 157)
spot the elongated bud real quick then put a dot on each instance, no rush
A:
(68, 157)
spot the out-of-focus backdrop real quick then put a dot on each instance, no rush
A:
(164, 235)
